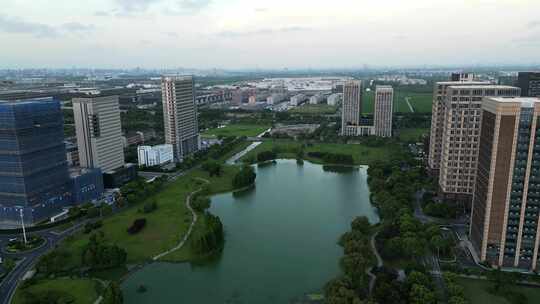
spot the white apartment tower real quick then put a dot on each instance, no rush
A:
(437, 118)
(351, 108)
(180, 115)
(461, 137)
(384, 98)
(99, 132)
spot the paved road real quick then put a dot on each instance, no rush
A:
(409, 104)
(10, 282)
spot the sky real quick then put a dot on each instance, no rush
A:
(277, 34)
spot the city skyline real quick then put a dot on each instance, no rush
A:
(254, 34)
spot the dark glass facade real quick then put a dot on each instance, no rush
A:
(33, 166)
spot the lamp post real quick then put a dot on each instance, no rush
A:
(22, 224)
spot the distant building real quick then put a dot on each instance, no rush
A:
(316, 99)
(298, 99)
(276, 98)
(463, 77)
(529, 82)
(351, 108)
(86, 185)
(180, 115)
(99, 133)
(461, 137)
(72, 154)
(506, 203)
(156, 155)
(240, 96)
(334, 99)
(34, 174)
(133, 139)
(384, 99)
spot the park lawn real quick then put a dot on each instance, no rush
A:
(82, 291)
(362, 154)
(248, 130)
(165, 226)
(476, 291)
(312, 109)
(412, 134)
(238, 148)
(421, 102)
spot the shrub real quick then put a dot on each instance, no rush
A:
(137, 226)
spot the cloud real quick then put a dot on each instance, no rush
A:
(101, 14)
(533, 24)
(19, 26)
(261, 10)
(188, 7)
(171, 34)
(265, 31)
(135, 5)
(77, 27)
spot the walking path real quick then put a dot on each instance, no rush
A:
(379, 262)
(193, 222)
(409, 104)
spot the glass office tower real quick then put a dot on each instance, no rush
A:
(34, 173)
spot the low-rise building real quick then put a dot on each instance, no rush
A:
(316, 99)
(299, 99)
(334, 99)
(156, 155)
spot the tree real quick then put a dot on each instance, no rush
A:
(213, 168)
(361, 224)
(421, 295)
(113, 294)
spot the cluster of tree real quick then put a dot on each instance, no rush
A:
(413, 120)
(213, 168)
(456, 292)
(136, 120)
(200, 203)
(137, 226)
(98, 254)
(442, 210)
(504, 285)
(89, 227)
(416, 289)
(333, 158)
(357, 258)
(113, 294)
(54, 262)
(210, 118)
(139, 190)
(266, 156)
(211, 238)
(245, 177)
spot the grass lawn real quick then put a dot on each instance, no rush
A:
(314, 109)
(476, 291)
(164, 226)
(235, 130)
(362, 154)
(80, 290)
(412, 134)
(421, 102)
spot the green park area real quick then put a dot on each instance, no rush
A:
(477, 291)
(361, 153)
(235, 130)
(412, 134)
(76, 291)
(311, 109)
(420, 102)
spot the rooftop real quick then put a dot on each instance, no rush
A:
(484, 86)
(526, 102)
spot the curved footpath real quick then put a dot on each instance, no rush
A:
(379, 262)
(193, 222)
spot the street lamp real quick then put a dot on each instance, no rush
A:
(22, 224)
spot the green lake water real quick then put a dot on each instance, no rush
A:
(280, 240)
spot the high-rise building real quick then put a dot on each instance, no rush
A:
(180, 115)
(351, 107)
(506, 203)
(384, 99)
(437, 120)
(34, 174)
(461, 136)
(529, 82)
(462, 77)
(99, 132)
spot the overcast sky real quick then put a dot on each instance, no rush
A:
(267, 34)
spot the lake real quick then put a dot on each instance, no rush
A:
(280, 240)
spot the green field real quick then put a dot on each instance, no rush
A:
(164, 226)
(412, 134)
(78, 290)
(314, 109)
(235, 130)
(476, 291)
(421, 102)
(362, 154)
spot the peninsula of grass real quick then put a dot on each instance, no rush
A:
(248, 130)
(165, 226)
(362, 154)
(76, 291)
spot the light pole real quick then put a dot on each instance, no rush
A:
(22, 224)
